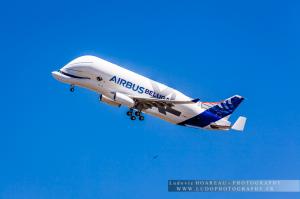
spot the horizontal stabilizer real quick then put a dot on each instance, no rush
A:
(195, 100)
(239, 124)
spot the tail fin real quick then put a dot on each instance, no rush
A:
(225, 108)
(239, 124)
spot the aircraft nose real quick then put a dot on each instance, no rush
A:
(56, 75)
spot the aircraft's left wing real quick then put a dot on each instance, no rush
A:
(163, 105)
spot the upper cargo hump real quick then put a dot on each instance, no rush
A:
(82, 61)
(85, 59)
(226, 107)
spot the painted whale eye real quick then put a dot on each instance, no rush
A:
(99, 78)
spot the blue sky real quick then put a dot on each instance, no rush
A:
(57, 144)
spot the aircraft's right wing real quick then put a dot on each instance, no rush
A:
(163, 105)
(164, 101)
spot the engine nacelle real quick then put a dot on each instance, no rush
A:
(108, 101)
(123, 99)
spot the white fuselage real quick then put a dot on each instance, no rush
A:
(86, 71)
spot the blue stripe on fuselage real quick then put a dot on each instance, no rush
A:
(202, 120)
(214, 113)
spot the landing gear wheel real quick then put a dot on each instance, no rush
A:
(132, 117)
(138, 113)
(72, 88)
(129, 113)
(141, 118)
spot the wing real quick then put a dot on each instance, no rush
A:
(162, 105)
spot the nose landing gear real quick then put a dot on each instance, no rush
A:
(133, 114)
(72, 88)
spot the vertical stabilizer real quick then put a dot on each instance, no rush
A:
(226, 108)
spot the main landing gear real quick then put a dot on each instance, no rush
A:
(72, 88)
(134, 114)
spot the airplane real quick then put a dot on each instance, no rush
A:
(118, 86)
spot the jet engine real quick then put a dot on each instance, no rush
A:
(108, 101)
(123, 99)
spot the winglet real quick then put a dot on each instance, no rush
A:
(195, 100)
(239, 124)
